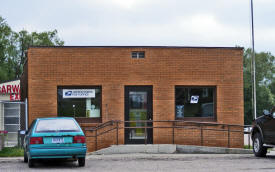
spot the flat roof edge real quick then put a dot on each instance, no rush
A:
(241, 48)
(6, 81)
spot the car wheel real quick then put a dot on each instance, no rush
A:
(81, 162)
(25, 157)
(30, 163)
(258, 148)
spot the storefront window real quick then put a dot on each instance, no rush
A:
(195, 102)
(11, 122)
(79, 102)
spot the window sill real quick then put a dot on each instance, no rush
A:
(88, 120)
(198, 119)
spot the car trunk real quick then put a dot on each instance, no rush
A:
(58, 139)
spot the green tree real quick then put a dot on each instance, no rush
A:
(24, 40)
(6, 50)
(272, 88)
(265, 79)
(13, 46)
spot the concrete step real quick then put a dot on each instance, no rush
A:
(168, 149)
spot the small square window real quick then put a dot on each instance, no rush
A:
(138, 54)
(134, 55)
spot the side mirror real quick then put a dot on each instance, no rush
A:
(23, 132)
(266, 112)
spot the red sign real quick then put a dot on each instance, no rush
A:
(8, 89)
(14, 97)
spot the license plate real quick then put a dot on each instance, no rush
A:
(58, 140)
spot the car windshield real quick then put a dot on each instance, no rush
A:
(56, 125)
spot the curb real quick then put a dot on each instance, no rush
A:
(11, 159)
(211, 150)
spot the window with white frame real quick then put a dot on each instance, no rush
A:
(138, 54)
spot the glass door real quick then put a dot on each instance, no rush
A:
(138, 107)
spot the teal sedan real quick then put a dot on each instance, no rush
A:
(50, 138)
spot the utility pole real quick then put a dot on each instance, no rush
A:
(253, 65)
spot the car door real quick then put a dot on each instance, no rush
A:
(269, 129)
(272, 128)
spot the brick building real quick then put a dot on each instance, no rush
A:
(165, 84)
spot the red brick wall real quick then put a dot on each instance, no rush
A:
(113, 68)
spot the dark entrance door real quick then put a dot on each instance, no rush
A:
(138, 106)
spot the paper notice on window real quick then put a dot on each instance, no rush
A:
(194, 99)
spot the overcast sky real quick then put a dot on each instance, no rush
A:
(147, 22)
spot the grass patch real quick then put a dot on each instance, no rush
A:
(247, 147)
(11, 152)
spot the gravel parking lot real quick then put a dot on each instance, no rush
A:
(150, 162)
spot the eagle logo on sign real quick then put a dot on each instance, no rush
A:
(194, 99)
(68, 93)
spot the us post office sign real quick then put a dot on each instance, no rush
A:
(78, 93)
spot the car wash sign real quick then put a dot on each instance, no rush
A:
(78, 93)
(9, 88)
(12, 89)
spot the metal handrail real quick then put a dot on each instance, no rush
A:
(99, 126)
(200, 125)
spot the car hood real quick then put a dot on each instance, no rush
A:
(259, 120)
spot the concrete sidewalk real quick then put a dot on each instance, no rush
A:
(168, 149)
(146, 156)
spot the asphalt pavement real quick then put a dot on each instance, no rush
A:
(152, 163)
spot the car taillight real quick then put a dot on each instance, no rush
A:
(79, 139)
(36, 140)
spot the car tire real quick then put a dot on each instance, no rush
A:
(258, 148)
(30, 163)
(25, 157)
(81, 162)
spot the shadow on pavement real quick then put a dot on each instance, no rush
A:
(270, 156)
(60, 164)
